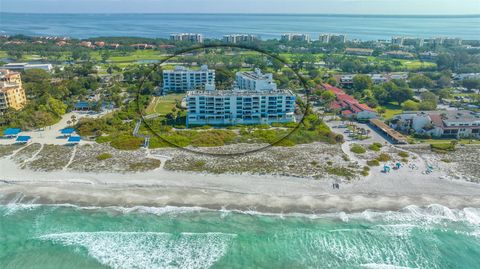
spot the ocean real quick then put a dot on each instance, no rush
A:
(67, 236)
(267, 26)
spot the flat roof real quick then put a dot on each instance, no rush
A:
(254, 75)
(23, 138)
(67, 130)
(12, 131)
(230, 93)
(74, 139)
(396, 136)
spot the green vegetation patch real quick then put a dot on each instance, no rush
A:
(126, 142)
(164, 104)
(384, 157)
(104, 156)
(373, 163)
(442, 147)
(196, 138)
(341, 172)
(375, 146)
(365, 171)
(391, 109)
(104, 139)
(144, 165)
(357, 149)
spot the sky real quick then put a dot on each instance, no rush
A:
(410, 7)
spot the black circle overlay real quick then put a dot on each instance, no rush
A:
(237, 46)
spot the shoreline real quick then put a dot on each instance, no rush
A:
(223, 201)
(268, 193)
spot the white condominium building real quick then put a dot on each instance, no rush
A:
(332, 38)
(407, 41)
(238, 38)
(240, 107)
(182, 79)
(254, 100)
(254, 81)
(27, 66)
(324, 38)
(296, 37)
(196, 38)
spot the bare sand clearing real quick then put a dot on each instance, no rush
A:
(266, 193)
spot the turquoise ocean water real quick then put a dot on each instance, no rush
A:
(40, 236)
(365, 27)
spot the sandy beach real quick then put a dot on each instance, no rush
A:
(263, 193)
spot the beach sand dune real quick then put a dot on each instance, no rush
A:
(265, 193)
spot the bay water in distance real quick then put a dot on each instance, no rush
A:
(267, 26)
(66, 236)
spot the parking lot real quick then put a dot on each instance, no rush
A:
(341, 128)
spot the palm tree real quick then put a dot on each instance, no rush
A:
(74, 119)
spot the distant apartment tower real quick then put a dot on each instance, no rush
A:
(397, 40)
(324, 38)
(338, 38)
(413, 41)
(12, 94)
(254, 81)
(195, 38)
(332, 38)
(182, 79)
(450, 41)
(254, 100)
(296, 37)
(407, 41)
(239, 38)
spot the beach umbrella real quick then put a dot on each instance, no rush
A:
(386, 168)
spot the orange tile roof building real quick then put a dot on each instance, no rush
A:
(349, 106)
(12, 94)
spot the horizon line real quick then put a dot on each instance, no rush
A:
(237, 13)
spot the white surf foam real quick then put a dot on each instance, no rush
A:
(383, 266)
(11, 209)
(125, 250)
(400, 230)
(432, 214)
(360, 246)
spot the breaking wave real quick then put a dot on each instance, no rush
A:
(125, 250)
(410, 215)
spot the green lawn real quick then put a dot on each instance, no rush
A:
(410, 65)
(25, 57)
(289, 56)
(121, 57)
(415, 64)
(443, 141)
(164, 104)
(391, 110)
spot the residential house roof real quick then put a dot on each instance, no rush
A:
(346, 101)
